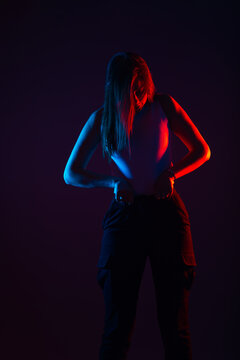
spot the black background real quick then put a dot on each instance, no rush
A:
(53, 66)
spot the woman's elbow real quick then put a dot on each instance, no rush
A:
(73, 177)
(206, 153)
(203, 152)
(66, 178)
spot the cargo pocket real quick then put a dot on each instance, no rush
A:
(189, 276)
(180, 209)
(188, 258)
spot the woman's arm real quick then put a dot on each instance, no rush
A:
(75, 172)
(183, 127)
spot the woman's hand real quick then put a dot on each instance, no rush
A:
(163, 187)
(124, 191)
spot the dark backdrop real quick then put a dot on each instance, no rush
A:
(53, 66)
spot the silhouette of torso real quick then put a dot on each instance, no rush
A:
(151, 151)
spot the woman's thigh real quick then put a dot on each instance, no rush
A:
(172, 286)
(120, 281)
(170, 232)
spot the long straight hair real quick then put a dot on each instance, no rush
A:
(119, 103)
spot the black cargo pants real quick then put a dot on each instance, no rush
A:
(159, 229)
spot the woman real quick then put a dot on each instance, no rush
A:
(147, 216)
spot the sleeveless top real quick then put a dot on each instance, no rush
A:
(151, 148)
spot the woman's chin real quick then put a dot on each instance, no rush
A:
(137, 109)
(139, 106)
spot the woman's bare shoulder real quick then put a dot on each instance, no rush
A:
(99, 110)
(97, 115)
(165, 100)
(95, 118)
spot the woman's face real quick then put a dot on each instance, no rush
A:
(140, 95)
(140, 102)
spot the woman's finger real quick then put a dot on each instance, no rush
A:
(162, 196)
